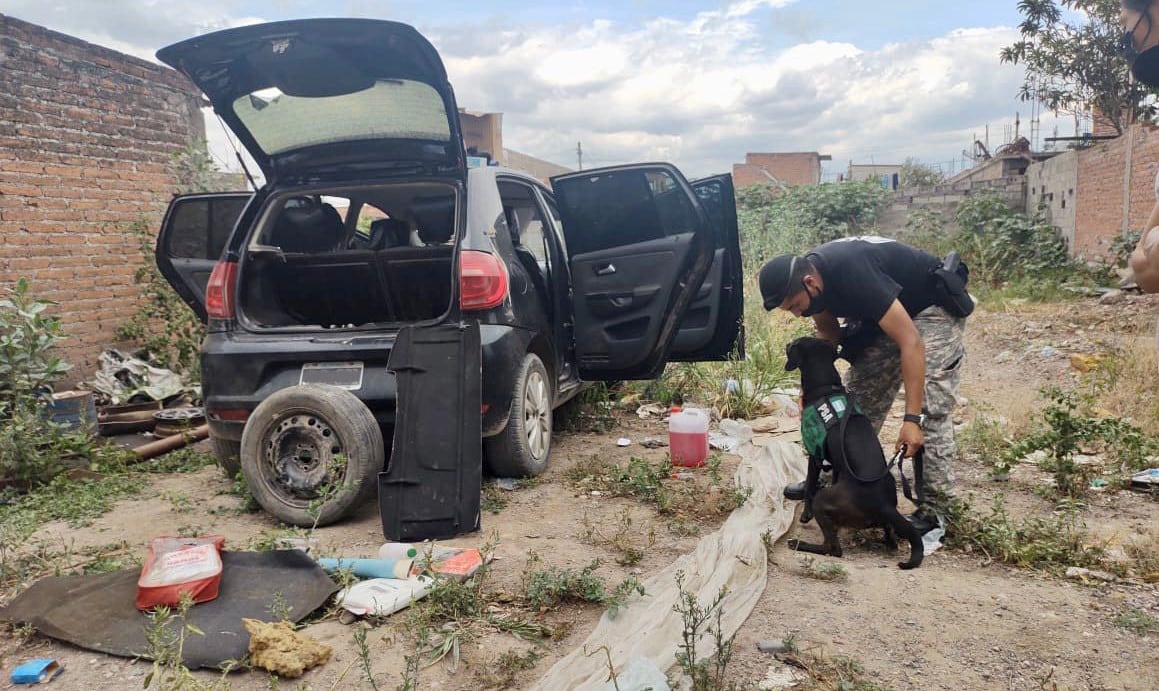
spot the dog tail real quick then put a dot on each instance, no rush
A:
(906, 530)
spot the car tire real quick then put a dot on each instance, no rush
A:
(311, 453)
(228, 453)
(523, 447)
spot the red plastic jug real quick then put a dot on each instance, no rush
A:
(688, 437)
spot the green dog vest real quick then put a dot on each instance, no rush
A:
(817, 419)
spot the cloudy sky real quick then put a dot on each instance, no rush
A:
(695, 83)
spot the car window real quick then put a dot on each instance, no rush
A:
(527, 222)
(622, 207)
(202, 226)
(554, 211)
(395, 108)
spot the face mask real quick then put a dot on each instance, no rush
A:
(816, 302)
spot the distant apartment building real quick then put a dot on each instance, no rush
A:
(800, 168)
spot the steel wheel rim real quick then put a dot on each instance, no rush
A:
(536, 414)
(302, 458)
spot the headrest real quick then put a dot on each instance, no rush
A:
(310, 227)
(389, 232)
(435, 218)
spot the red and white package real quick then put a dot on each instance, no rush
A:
(178, 565)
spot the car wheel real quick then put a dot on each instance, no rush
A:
(311, 453)
(522, 448)
(228, 453)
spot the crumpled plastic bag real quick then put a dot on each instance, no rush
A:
(123, 379)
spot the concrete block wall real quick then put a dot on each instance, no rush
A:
(87, 139)
(1053, 183)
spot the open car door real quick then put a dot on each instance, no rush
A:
(193, 235)
(713, 328)
(639, 246)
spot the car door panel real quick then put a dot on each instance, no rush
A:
(713, 328)
(194, 232)
(624, 303)
(700, 323)
(639, 249)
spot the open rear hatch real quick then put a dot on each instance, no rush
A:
(339, 95)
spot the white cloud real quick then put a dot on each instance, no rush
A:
(700, 91)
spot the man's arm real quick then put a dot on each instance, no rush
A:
(827, 328)
(1144, 260)
(897, 325)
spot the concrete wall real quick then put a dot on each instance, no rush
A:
(803, 168)
(1053, 183)
(538, 168)
(87, 138)
(858, 172)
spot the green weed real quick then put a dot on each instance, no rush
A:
(823, 570)
(699, 621)
(1137, 622)
(547, 586)
(1049, 543)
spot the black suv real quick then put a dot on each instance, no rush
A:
(377, 280)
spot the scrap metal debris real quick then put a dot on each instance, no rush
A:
(123, 378)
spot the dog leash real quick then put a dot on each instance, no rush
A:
(919, 472)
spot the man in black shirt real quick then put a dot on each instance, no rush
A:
(899, 327)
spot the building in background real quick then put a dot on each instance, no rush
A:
(787, 169)
(483, 139)
(889, 175)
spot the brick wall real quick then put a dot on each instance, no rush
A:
(87, 137)
(790, 168)
(1116, 178)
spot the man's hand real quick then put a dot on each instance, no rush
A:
(911, 438)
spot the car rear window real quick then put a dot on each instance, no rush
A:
(391, 109)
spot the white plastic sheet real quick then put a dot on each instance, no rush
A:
(733, 556)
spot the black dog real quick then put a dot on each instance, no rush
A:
(864, 492)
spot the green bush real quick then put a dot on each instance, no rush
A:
(167, 330)
(28, 339)
(774, 221)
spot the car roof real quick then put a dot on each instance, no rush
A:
(496, 171)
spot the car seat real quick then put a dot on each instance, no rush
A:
(435, 218)
(308, 228)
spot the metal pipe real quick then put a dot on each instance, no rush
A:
(156, 448)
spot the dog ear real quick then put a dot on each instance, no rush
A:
(792, 356)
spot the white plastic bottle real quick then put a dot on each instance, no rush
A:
(397, 550)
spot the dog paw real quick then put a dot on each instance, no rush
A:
(906, 566)
(793, 543)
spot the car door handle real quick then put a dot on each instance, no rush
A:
(605, 270)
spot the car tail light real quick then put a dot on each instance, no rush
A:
(482, 281)
(219, 291)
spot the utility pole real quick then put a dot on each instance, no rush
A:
(579, 154)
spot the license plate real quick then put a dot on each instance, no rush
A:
(344, 375)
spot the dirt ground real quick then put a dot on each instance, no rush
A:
(959, 622)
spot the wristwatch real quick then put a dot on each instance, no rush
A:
(919, 420)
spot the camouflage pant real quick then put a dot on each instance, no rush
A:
(876, 378)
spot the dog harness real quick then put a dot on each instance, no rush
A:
(820, 417)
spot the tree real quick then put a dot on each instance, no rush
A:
(915, 174)
(1077, 66)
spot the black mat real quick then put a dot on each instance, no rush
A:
(97, 611)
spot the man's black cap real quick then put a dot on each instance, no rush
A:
(774, 280)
